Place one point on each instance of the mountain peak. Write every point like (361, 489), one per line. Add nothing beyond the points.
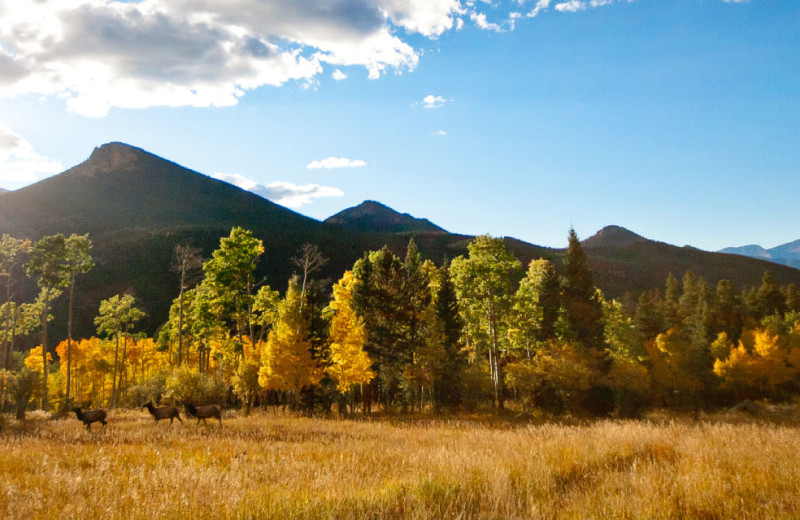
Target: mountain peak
(115, 156)
(374, 217)
(613, 236)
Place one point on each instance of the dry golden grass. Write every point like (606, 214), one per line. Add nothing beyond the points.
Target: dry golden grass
(268, 466)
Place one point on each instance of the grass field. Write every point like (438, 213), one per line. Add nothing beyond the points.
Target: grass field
(271, 466)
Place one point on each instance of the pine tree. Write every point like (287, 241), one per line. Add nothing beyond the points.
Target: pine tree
(449, 327)
(380, 301)
(770, 300)
(582, 307)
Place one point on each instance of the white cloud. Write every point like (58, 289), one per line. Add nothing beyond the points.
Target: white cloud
(97, 55)
(20, 164)
(338, 75)
(439, 133)
(431, 101)
(335, 162)
(294, 195)
(101, 54)
(237, 180)
(572, 6)
(480, 20)
(279, 192)
(541, 5)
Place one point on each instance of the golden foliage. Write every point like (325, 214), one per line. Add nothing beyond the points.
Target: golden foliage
(350, 364)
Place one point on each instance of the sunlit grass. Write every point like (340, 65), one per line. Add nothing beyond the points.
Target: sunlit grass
(272, 466)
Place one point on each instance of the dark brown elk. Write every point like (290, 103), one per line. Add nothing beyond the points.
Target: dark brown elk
(91, 416)
(204, 412)
(163, 412)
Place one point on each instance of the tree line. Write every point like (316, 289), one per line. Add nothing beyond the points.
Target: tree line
(399, 334)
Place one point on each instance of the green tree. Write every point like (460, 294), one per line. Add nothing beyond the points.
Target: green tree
(536, 306)
(725, 312)
(78, 261)
(447, 330)
(48, 264)
(379, 300)
(769, 297)
(416, 296)
(649, 318)
(229, 276)
(117, 315)
(12, 251)
(583, 316)
(583, 310)
(485, 283)
(672, 295)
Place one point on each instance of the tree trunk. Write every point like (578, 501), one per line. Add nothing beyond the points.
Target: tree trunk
(180, 321)
(114, 379)
(122, 364)
(44, 351)
(69, 342)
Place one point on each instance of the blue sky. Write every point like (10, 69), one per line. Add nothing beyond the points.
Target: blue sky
(677, 119)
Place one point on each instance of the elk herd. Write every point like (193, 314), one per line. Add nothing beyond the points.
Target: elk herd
(209, 411)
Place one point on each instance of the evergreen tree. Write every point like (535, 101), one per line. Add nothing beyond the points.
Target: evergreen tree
(649, 317)
(725, 312)
(770, 301)
(448, 376)
(48, 264)
(582, 307)
(672, 294)
(379, 300)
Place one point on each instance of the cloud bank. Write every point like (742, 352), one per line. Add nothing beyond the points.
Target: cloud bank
(279, 192)
(20, 164)
(97, 55)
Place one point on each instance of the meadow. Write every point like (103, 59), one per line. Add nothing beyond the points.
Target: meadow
(281, 466)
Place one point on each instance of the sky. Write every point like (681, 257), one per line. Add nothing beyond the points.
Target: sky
(677, 119)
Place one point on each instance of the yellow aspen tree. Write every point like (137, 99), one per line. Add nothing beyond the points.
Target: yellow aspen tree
(350, 364)
(287, 364)
(761, 370)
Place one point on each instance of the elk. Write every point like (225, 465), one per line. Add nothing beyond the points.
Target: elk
(164, 412)
(91, 416)
(204, 412)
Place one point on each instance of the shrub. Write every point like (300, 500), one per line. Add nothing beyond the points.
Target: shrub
(189, 386)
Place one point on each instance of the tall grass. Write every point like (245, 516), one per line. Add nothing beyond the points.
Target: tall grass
(267, 466)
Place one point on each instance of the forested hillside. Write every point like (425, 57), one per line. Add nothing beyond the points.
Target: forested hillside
(137, 207)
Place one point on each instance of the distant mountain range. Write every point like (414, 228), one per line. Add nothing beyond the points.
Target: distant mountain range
(786, 254)
(137, 207)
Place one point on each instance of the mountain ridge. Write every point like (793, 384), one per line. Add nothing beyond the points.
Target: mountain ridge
(786, 254)
(137, 207)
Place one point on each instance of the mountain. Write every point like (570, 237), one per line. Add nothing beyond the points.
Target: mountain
(753, 251)
(137, 207)
(373, 217)
(2, 190)
(613, 236)
(786, 254)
